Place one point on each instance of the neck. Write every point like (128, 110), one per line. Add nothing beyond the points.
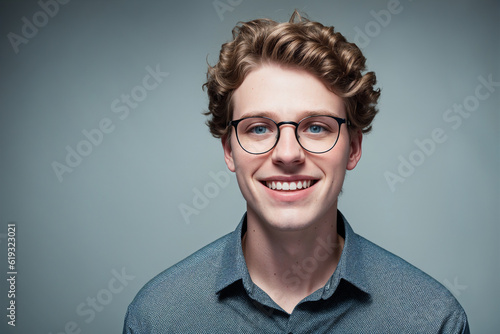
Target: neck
(290, 265)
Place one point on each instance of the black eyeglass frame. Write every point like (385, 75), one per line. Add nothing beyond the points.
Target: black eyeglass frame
(339, 120)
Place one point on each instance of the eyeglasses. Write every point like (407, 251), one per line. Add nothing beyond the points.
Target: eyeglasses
(315, 134)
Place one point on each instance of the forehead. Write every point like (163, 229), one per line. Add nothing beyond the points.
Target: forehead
(284, 94)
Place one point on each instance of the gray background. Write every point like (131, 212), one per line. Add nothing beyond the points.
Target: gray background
(120, 208)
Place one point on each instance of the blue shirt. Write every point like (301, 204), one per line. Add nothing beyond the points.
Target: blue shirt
(371, 291)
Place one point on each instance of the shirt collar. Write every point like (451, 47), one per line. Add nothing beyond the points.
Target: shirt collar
(350, 267)
(233, 264)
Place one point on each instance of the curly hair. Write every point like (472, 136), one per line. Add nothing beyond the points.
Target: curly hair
(299, 43)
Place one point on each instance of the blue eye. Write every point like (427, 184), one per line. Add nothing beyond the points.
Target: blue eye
(259, 130)
(316, 129)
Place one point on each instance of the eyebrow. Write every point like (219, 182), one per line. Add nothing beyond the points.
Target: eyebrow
(304, 114)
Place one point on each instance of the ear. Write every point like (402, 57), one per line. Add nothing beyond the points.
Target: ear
(228, 152)
(354, 149)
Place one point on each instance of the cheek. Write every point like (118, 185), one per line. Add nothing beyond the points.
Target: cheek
(343, 152)
(244, 174)
(247, 165)
(242, 164)
(335, 161)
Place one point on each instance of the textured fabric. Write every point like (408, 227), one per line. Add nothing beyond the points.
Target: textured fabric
(371, 291)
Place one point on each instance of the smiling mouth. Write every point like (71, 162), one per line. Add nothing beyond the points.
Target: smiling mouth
(288, 186)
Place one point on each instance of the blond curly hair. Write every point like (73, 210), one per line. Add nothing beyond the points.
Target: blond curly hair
(299, 43)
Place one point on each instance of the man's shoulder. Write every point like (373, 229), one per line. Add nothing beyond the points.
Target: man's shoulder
(408, 291)
(199, 269)
(178, 293)
(383, 265)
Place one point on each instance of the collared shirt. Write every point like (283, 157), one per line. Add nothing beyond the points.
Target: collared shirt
(371, 291)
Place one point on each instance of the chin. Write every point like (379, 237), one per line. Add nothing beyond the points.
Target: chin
(290, 222)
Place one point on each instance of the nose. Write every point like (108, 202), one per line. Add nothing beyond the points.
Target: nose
(288, 150)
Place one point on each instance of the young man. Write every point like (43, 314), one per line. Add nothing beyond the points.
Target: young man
(290, 103)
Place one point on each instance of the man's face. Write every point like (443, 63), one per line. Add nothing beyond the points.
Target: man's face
(285, 94)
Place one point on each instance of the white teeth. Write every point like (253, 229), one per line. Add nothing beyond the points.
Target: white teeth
(277, 185)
